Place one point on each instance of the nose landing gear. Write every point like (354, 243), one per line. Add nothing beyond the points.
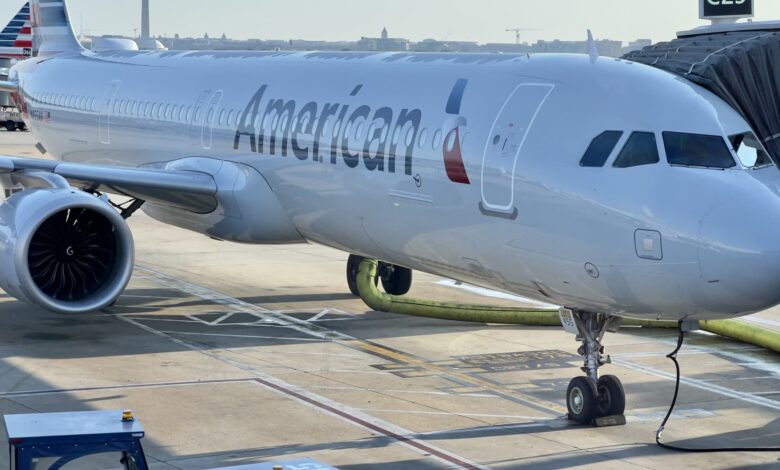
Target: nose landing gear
(593, 399)
(396, 280)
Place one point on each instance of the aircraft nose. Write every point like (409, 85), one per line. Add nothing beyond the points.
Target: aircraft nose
(739, 255)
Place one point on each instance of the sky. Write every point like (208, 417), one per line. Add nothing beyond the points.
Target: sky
(474, 20)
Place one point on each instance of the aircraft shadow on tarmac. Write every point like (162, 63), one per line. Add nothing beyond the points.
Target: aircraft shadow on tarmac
(33, 333)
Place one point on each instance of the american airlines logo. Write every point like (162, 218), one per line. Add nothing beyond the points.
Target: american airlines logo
(353, 133)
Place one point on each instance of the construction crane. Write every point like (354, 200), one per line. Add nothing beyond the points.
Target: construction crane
(517, 32)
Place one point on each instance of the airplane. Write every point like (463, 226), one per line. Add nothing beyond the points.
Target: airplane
(606, 186)
(16, 37)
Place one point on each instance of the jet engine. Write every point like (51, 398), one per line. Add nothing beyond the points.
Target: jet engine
(63, 249)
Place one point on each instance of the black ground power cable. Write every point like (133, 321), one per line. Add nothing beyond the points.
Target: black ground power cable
(673, 357)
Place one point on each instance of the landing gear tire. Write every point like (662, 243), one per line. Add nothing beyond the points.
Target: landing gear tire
(10, 126)
(582, 400)
(396, 280)
(593, 398)
(353, 264)
(611, 396)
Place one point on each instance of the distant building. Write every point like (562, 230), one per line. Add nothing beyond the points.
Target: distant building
(383, 43)
(432, 45)
(636, 45)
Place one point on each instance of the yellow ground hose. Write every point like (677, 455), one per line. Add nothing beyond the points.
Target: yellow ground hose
(383, 302)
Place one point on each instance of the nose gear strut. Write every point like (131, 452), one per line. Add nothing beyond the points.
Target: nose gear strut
(593, 399)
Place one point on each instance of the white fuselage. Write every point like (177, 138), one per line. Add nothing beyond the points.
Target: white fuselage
(361, 152)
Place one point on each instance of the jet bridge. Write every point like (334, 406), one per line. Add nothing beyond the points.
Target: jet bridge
(737, 62)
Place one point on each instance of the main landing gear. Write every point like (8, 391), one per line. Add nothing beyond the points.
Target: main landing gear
(593, 399)
(396, 280)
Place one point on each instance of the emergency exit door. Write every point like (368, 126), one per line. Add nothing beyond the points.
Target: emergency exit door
(504, 148)
(106, 109)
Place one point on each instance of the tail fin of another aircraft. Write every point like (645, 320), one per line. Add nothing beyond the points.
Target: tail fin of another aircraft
(16, 38)
(51, 28)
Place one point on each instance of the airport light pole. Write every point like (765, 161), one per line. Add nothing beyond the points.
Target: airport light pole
(145, 19)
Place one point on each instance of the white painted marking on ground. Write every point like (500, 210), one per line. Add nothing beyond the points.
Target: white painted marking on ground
(135, 306)
(657, 416)
(281, 338)
(706, 386)
(493, 294)
(366, 372)
(761, 321)
(324, 312)
(197, 320)
(161, 297)
(223, 317)
(413, 443)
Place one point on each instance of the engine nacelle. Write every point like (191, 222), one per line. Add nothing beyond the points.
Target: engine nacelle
(64, 250)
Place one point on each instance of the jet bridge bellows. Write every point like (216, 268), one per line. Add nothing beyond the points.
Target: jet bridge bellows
(740, 66)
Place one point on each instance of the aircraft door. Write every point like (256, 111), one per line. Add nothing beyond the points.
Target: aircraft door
(207, 131)
(104, 121)
(505, 145)
(198, 117)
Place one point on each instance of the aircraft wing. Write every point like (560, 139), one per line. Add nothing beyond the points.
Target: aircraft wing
(189, 190)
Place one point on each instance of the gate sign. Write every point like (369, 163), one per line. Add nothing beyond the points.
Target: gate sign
(710, 9)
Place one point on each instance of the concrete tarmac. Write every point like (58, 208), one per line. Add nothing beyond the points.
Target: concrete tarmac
(233, 354)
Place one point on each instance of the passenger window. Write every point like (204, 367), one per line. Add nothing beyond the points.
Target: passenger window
(600, 149)
(423, 137)
(436, 141)
(641, 149)
(706, 151)
(749, 150)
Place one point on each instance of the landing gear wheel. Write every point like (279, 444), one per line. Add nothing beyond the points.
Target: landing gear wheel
(396, 280)
(10, 126)
(353, 264)
(611, 396)
(582, 400)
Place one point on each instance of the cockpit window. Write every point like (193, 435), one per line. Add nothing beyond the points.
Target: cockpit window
(600, 149)
(705, 151)
(749, 150)
(641, 149)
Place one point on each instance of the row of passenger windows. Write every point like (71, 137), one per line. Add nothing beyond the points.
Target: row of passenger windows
(83, 103)
(691, 150)
(274, 122)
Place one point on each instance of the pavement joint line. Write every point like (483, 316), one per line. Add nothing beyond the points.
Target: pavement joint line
(351, 342)
(57, 391)
(453, 413)
(402, 436)
(706, 386)
(412, 392)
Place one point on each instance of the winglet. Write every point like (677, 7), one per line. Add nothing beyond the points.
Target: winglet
(593, 48)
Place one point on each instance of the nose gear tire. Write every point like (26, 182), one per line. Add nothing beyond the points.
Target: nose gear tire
(611, 396)
(582, 400)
